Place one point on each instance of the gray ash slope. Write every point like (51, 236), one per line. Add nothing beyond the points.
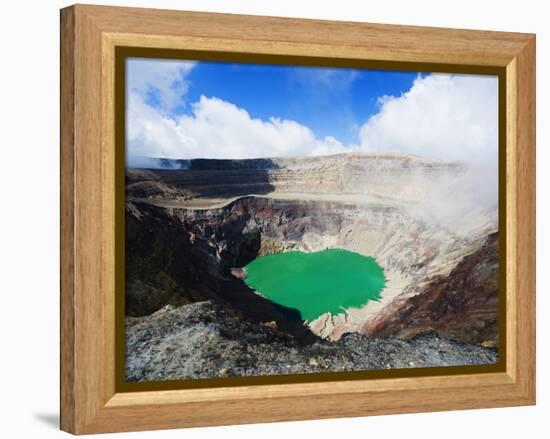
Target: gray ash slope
(205, 340)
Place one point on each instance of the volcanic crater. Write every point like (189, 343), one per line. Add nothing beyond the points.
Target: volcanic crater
(192, 227)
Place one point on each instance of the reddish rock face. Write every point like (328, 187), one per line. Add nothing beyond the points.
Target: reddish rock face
(462, 306)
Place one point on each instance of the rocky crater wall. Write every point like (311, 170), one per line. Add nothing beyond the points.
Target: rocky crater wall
(384, 175)
(177, 253)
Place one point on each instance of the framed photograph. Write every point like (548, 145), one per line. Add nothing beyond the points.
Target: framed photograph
(268, 219)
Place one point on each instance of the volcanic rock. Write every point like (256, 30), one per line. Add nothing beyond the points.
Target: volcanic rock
(205, 340)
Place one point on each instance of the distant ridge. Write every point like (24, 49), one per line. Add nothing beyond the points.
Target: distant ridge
(203, 164)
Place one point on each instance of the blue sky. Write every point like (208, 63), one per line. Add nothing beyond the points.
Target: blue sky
(331, 102)
(189, 109)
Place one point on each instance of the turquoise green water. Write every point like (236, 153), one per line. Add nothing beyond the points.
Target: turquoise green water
(316, 283)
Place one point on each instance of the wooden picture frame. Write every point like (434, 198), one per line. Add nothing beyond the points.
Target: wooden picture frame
(91, 401)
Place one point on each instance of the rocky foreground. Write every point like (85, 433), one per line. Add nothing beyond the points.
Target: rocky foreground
(205, 340)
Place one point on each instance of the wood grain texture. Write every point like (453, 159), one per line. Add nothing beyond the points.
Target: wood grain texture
(525, 220)
(89, 35)
(67, 254)
(328, 38)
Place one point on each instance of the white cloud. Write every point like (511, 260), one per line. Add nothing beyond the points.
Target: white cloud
(453, 117)
(449, 117)
(325, 79)
(167, 78)
(217, 129)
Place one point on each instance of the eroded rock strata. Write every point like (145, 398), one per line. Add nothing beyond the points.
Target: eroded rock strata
(191, 230)
(462, 305)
